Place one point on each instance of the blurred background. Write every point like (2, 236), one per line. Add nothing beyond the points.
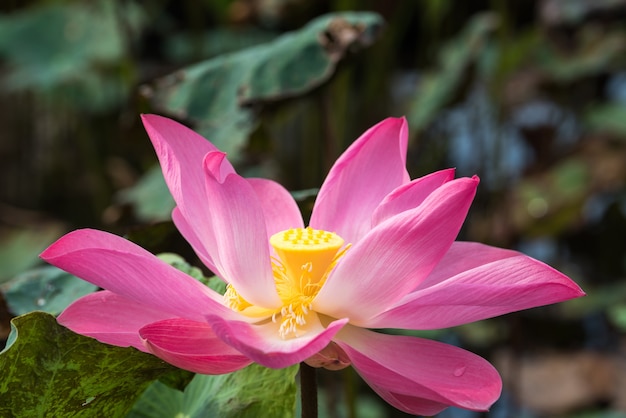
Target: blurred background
(529, 95)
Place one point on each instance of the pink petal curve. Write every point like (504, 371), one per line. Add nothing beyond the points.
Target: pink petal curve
(463, 256)
(410, 195)
(110, 318)
(263, 344)
(411, 367)
(280, 210)
(192, 346)
(198, 229)
(409, 404)
(123, 267)
(393, 258)
(181, 153)
(362, 176)
(503, 281)
(240, 247)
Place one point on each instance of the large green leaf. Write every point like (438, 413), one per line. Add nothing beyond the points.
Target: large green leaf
(184, 47)
(49, 371)
(220, 95)
(255, 391)
(46, 288)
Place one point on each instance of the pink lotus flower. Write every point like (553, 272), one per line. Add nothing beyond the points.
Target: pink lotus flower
(308, 294)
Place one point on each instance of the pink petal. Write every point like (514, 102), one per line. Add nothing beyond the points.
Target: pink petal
(367, 171)
(192, 238)
(393, 258)
(263, 344)
(463, 256)
(279, 209)
(420, 375)
(192, 346)
(197, 228)
(122, 267)
(408, 403)
(181, 152)
(496, 282)
(215, 162)
(110, 318)
(410, 195)
(240, 247)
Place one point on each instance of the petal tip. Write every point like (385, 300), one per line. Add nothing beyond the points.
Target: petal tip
(63, 245)
(213, 162)
(149, 120)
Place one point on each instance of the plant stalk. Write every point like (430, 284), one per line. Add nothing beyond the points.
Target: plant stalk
(308, 390)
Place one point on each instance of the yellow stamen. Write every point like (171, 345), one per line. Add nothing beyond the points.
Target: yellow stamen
(234, 300)
(307, 249)
(305, 257)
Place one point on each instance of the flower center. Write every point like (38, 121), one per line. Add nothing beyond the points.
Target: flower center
(306, 254)
(305, 257)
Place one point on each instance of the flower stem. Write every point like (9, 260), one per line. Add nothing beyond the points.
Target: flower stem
(308, 391)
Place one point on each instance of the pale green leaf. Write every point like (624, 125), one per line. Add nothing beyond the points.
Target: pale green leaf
(255, 391)
(47, 289)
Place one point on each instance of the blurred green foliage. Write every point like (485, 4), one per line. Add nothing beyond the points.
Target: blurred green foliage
(19, 247)
(531, 96)
(75, 49)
